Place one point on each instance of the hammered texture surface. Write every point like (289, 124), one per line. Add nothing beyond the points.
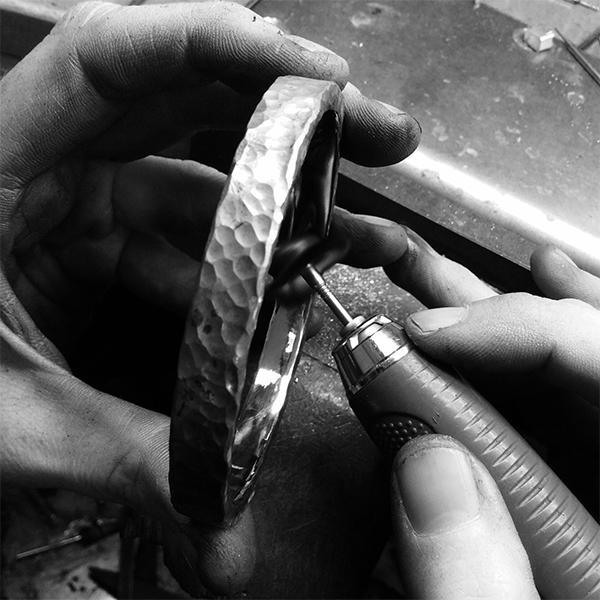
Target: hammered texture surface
(224, 312)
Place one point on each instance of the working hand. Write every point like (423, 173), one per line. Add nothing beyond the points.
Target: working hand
(110, 85)
(454, 534)
(454, 537)
(549, 345)
(556, 337)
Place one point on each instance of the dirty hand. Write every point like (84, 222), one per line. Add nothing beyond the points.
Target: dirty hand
(454, 536)
(456, 539)
(555, 337)
(83, 207)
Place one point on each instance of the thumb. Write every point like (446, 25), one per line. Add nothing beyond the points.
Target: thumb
(454, 535)
(517, 333)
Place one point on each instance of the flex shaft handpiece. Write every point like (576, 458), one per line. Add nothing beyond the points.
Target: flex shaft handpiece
(398, 394)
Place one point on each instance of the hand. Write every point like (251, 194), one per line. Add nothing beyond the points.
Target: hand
(549, 346)
(109, 85)
(557, 339)
(454, 536)
(477, 551)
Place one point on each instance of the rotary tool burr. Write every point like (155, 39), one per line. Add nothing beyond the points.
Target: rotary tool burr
(398, 393)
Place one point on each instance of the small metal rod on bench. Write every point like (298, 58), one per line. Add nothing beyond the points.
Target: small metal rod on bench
(580, 58)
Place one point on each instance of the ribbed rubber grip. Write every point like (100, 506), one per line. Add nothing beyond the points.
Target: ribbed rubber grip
(560, 536)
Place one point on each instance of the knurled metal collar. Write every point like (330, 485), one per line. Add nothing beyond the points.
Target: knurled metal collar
(240, 348)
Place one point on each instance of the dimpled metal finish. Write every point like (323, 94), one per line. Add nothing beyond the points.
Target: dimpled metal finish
(217, 441)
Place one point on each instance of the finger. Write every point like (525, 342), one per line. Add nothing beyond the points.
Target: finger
(374, 241)
(120, 48)
(359, 240)
(517, 333)
(376, 134)
(158, 273)
(434, 279)
(227, 556)
(145, 224)
(454, 535)
(221, 560)
(111, 55)
(173, 198)
(145, 264)
(558, 277)
(162, 118)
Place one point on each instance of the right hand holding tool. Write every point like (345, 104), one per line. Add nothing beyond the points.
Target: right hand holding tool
(463, 530)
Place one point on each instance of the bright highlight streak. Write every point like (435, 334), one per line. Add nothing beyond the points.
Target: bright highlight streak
(504, 208)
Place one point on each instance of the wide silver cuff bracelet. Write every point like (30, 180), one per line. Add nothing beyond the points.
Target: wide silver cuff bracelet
(240, 346)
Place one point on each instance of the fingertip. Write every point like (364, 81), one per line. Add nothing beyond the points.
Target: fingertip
(375, 241)
(547, 257)
(548, 264)
(455, 535)
(375, 133)
(559, 277)
(434, 279)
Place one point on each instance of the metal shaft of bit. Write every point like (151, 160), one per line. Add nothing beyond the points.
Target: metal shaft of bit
(580, 58)
(316, 281)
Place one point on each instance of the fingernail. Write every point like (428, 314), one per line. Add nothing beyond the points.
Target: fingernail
(438, 489)
(429, 321)
(378, 221)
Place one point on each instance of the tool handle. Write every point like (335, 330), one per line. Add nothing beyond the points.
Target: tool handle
(414, 397)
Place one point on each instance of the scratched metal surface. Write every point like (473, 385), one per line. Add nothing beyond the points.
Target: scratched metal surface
(510, 152)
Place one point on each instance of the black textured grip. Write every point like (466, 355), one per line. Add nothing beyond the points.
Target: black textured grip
(392, 431)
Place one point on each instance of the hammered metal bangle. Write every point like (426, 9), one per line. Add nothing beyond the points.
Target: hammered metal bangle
(240, 348)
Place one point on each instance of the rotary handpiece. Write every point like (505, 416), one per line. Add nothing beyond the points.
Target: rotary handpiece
(398, 393)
